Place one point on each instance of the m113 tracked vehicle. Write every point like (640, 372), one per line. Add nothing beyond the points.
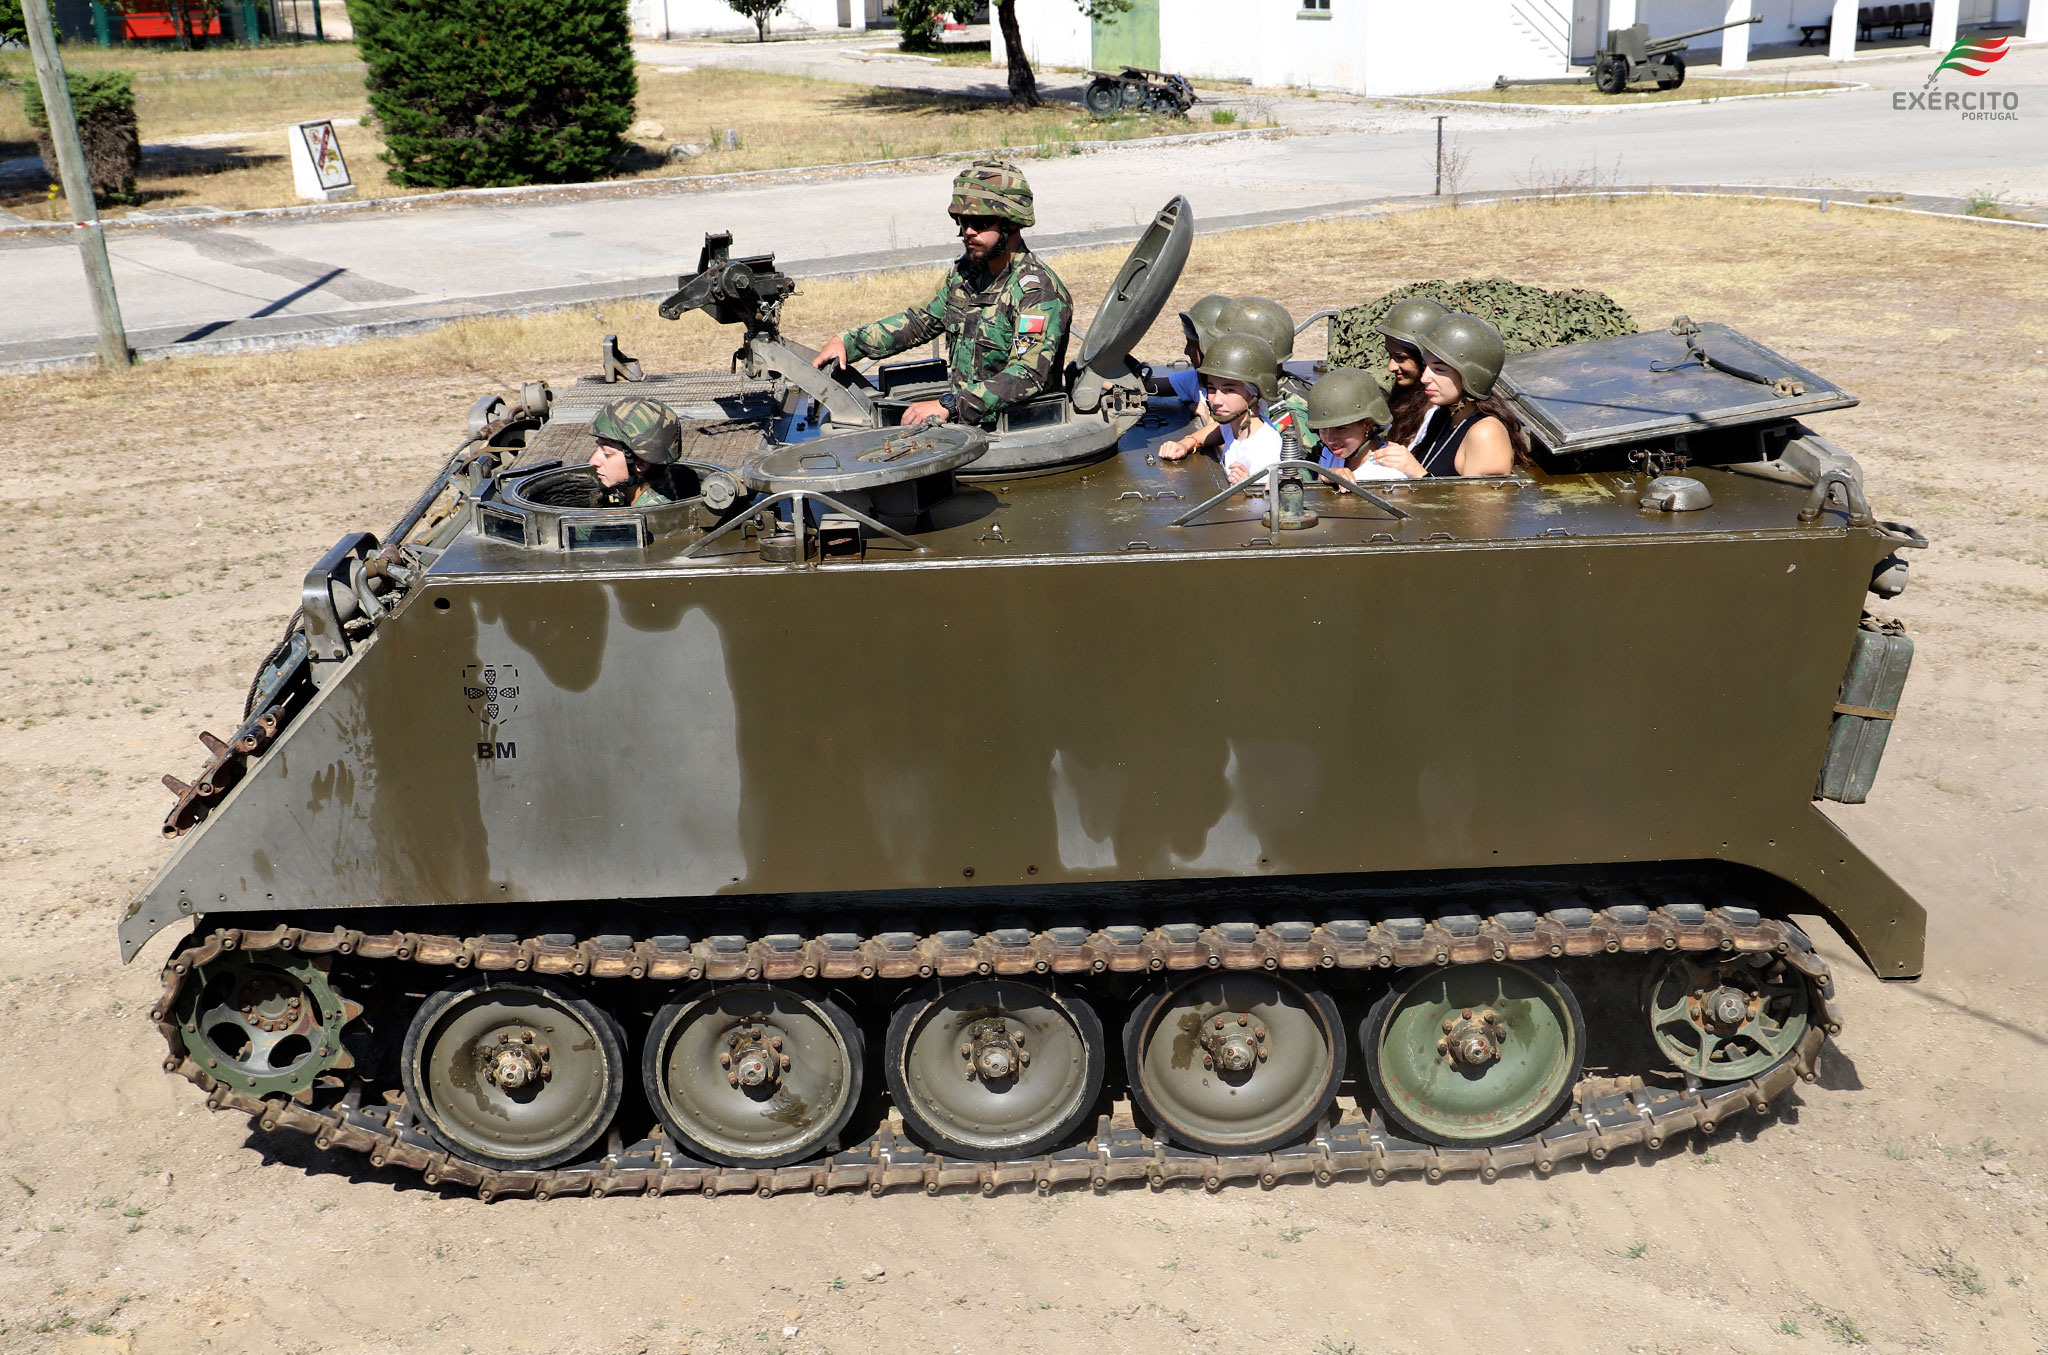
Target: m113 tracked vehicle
(850, 824)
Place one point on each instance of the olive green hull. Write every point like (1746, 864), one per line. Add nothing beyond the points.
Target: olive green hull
(995, 726)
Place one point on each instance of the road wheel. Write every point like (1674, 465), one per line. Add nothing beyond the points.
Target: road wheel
(1101, 97)
(1610, 74)
(994, 1068)
(1677, 76)
(1723, 1020)
(1234, 1063)
(753, 1074)
(513, 1073)
(1474, 1055)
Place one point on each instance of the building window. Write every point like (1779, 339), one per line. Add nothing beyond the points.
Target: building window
(1313, 9)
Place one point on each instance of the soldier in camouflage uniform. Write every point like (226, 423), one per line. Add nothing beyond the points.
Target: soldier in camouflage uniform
(1003, 313)
(638, 442)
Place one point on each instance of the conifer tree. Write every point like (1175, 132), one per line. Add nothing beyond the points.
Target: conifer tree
(492, 93)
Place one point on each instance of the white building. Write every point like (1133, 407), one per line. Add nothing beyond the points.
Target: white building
(697, 18)
(1404, 47)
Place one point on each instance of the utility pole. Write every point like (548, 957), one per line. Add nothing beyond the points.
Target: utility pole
(92, 241)
(1439, 158)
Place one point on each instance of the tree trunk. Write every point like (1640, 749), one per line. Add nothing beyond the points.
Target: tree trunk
(761, 26)
(1023, 84)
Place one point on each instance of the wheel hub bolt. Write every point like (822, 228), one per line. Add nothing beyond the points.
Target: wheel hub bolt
(514, 1066)
(1233, 1044)
(1473, 1039)
(1728, 1006)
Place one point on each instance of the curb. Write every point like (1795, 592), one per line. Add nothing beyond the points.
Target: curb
(1441, 100)
(294, 331)
(625, 188)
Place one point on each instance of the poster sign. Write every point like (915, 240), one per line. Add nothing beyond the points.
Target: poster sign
(318, 170)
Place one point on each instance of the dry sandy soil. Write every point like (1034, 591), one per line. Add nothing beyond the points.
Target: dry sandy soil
(155, 524)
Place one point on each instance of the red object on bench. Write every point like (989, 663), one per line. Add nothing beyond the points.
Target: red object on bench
(160, 24)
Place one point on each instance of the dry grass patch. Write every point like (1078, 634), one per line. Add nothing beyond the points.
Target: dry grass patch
(782, 121)
(1704, 90)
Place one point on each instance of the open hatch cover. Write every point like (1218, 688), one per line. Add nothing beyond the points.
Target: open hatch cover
(1637, 387)
(1140, 290)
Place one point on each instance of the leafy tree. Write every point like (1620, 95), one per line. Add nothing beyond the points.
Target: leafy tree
(12, 29)
(1023, 82)
(760, 11)
(103, 103)
(918, 21)
(492, 93)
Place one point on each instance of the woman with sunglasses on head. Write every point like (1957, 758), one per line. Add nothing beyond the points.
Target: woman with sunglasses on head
(1003, 313)
(1469, 430)
(1403, 326)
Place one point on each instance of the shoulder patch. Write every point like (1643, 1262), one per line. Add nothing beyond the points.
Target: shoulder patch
(1031, 323)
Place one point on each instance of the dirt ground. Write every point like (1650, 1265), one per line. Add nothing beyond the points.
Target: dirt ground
(155, 527)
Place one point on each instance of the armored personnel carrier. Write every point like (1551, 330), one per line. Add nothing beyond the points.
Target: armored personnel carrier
(881, 813)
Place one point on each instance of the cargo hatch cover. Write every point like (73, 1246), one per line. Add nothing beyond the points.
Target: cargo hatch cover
(1140, 290)
(1583, 396)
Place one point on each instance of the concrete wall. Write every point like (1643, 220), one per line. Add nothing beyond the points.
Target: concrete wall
(1364, 46)
(695, 18)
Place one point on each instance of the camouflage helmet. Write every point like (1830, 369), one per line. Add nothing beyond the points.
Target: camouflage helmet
(1346, 395)
(1243, 357)
(992, 188)
(1408, 319)
(647, 428)
(1471, 348)
(1267, 319)
(1199, 320)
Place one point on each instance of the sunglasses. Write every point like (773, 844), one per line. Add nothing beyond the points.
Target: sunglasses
(978, 223)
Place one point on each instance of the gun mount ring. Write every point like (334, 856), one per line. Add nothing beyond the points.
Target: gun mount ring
(864, 460)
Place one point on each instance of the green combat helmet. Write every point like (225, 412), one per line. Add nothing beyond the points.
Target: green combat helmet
(992, 188)
(1267, 319)
(1199, 320)
(1346, 395)
(1471, 348)
(1243, 357)
(647, 428)
(1410, 318)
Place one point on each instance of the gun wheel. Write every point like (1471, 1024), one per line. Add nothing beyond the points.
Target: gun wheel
(994, 1068)
(1234, 1063)
(753, 1074)
(1610, 74)
(1474, 1055)
(517, 1073)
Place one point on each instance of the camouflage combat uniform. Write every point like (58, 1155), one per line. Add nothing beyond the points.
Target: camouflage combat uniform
(1290, 406)
(1006, 336)
(650, 431)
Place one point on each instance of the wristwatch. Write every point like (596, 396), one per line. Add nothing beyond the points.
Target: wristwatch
(950, 402)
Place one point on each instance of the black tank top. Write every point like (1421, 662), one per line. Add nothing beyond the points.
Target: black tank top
(1438, 450)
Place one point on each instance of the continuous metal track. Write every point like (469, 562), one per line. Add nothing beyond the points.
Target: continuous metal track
(1607, 1114)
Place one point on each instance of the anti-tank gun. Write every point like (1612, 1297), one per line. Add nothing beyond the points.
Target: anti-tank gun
(1631, 56)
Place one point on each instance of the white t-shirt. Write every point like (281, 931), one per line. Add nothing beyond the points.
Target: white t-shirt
(1186, 383)
(1373, 470)
(1256, 450)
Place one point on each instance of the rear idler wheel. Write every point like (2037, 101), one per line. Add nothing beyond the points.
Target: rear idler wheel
(1726, 1019)
(1471, 1056)
(1234, 1063)
(992, 1069)
(517, 1074)
(753, 1074)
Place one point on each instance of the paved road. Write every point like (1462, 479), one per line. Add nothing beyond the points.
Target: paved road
(216, 281)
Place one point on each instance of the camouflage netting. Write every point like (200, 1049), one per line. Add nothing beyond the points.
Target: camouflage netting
(1527, 317)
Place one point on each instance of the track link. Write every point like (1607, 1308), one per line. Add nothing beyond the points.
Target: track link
(1607, 1114)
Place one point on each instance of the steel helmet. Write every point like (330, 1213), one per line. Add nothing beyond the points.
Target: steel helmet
(1199, 320)
(992, 188)
(1408, 319)
(1267, 319)
(1346, 395)
(647, 428)
(1471, 348)
(1243, 357)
